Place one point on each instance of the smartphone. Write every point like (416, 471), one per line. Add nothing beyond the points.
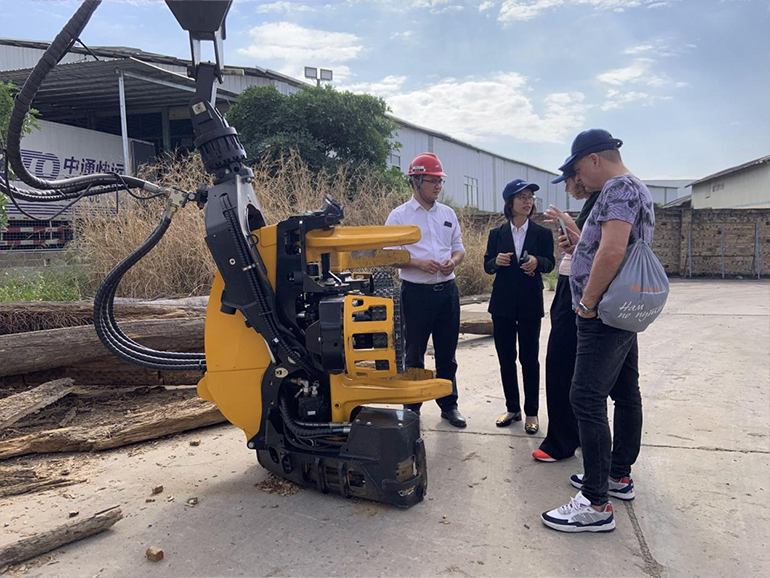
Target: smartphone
(564, 231)
(524, 257)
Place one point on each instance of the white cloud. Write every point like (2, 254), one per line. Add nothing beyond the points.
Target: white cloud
(638, 49)
(486, 5)
(387, 86)
(405, 35)
(617, 99)
(480, 108)
(639, 72)
(522, 10)
(298, 47)
(283, 7)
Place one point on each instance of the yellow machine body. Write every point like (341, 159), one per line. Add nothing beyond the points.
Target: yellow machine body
(237, 356)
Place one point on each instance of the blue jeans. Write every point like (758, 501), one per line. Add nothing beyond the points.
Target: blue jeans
(606, 365)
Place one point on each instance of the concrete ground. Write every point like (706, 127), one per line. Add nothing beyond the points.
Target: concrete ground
(702, 479)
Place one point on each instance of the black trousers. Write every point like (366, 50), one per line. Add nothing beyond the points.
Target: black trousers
(430, 311)
(506, 331)
(607, 364)
(563, 437)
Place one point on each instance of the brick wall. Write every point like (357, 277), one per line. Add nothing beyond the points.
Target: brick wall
(706, 229)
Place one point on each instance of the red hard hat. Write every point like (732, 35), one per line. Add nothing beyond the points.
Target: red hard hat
(426, 164)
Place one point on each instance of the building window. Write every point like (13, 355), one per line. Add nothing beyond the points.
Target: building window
(394, 160)
(471, 192)
(716, 187)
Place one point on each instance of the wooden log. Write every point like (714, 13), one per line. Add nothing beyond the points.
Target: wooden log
(14, 407)
(170, 419)
(39, 315)
(40, 350)
(19, 480)
(43, 542)
(479, 326)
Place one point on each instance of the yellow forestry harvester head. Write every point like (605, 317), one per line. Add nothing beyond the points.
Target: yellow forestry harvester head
(298, 344)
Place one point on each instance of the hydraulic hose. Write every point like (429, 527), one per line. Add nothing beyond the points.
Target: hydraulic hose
(114, 339)
(305, 432)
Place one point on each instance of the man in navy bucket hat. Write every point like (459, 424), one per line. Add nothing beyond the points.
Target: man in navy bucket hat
(606, 363)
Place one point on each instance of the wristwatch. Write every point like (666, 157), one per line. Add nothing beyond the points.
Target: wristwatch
(584, 309)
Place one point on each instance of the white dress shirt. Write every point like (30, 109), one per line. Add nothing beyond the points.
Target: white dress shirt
(439, 238)
(519, 234)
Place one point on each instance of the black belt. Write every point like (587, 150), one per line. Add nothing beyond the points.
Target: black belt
(430, 286)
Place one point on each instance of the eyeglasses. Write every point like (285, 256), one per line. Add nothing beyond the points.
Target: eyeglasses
(525, 198)
(434, 182)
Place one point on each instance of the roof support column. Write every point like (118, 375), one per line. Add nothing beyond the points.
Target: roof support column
(124, 123)
(166, 127)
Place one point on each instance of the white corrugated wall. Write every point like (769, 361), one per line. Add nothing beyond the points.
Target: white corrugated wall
(491, 171)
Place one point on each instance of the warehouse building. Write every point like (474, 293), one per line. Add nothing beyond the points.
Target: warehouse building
(745, 186)
(154, 88)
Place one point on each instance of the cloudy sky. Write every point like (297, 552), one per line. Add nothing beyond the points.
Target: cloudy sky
(684, 83)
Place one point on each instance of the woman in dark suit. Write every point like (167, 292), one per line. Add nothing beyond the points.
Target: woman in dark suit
(517, 253)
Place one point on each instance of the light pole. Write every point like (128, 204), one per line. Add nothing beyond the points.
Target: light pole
(325, 76)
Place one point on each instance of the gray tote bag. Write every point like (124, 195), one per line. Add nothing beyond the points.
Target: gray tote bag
(638, 293)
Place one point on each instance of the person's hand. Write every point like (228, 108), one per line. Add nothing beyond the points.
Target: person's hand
(503, 259)
(586, 315)
(427, 265)
(553, 213)
(569, 247)
(447, 267)
(530, 265)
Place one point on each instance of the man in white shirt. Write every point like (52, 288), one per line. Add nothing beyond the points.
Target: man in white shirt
(429, 296)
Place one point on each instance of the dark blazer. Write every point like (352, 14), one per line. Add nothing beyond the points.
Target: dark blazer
(516, 295)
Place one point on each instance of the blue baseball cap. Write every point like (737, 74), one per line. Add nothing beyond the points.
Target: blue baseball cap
(589, 141)
(516, 186)
(567, 172)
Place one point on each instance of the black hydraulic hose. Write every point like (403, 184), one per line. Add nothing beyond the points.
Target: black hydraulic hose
(104, 312)
(115, 340)
(23, 102)
(304, 432)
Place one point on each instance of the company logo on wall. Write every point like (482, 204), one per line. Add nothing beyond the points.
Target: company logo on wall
(46, 165)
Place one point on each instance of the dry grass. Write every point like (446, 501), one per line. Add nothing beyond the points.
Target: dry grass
(181, 264)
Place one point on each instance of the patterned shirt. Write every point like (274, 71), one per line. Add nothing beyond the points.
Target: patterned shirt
(623, 198)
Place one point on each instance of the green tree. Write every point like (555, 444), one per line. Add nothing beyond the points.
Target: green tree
(7, 93)
(325, 126)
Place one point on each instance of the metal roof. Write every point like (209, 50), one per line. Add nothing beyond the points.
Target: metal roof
(123, 52)
(758, 161)
(93, 86)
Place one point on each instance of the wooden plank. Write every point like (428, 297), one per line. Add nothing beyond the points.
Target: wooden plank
(41, 350)
(170, 419)
(43, 542)
(15, 407)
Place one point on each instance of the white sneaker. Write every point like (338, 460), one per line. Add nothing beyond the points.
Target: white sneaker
(579, 516)
(622, 490)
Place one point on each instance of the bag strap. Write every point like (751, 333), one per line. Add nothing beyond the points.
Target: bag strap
(639, 218)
